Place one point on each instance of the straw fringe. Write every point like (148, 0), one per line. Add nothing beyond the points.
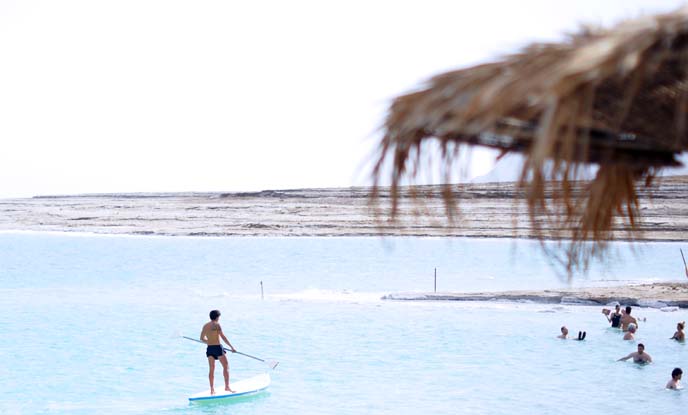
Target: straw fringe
(615, 98)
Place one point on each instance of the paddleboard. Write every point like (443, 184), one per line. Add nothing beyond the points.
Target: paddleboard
(241, 388)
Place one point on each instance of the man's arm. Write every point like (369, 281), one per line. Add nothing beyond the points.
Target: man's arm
(623, 359)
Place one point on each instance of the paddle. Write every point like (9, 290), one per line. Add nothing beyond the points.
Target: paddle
(684, 262)
(271, 363)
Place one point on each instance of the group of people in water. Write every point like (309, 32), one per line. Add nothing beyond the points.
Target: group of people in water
(628, 324)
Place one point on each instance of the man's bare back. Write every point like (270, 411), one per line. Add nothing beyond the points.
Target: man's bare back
(211, 332)
(627, 319)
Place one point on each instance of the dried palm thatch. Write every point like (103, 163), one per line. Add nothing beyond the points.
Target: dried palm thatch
(616, 98)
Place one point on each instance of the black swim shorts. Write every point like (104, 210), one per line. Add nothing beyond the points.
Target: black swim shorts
(215, 351)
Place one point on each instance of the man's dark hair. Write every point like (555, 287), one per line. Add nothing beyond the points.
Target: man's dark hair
(676, 372)
(628, 309)
(214, 314)
(641, 345)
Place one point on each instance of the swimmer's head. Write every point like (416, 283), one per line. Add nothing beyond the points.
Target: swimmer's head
(681, 325)
(641, 347)
(564, 330)
(617, 306)
(631, 328)
(676, 373)
(628, 309)
(214, 314)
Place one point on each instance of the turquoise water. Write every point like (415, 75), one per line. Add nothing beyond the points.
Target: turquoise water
(91, 324)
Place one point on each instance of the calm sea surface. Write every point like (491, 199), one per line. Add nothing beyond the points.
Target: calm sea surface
(92, 324)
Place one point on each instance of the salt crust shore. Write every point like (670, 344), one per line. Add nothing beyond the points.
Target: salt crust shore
(656, 295)
(495, 210)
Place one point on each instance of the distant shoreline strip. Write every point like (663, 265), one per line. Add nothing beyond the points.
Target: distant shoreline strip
(657, 295)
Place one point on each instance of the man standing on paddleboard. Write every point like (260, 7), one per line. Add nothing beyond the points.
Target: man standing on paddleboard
(210, 335)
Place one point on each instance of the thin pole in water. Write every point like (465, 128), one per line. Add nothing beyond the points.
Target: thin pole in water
(435, 279)
(262, 297)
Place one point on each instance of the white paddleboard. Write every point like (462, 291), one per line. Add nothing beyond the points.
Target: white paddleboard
(241, 388)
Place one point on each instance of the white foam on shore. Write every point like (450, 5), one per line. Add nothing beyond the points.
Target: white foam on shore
(308, 295)
(217, 294)
(577, 301)
(652, 304)
(314, 294)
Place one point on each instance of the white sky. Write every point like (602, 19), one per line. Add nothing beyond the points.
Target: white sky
(165, 95)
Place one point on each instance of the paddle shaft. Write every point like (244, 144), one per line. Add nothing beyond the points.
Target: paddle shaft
(227, 350)
(684, 261)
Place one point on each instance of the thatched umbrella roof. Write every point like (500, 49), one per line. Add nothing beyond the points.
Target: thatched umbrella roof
(616, 98)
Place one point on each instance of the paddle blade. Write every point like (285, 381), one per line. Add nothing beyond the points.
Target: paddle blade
(271, 364)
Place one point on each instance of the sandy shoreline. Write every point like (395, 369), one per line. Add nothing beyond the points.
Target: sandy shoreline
(656, 295)
(493, 210)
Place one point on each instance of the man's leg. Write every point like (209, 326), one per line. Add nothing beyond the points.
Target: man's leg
(225, 371)
(211, 374)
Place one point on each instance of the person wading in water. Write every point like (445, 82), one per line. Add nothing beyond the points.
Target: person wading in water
(627, 319)
(613, 317)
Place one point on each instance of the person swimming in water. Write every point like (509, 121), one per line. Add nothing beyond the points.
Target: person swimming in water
(615, 317)
(679, 335)
(210, 335)
(565, 334)
(638, 357)
(630, 334)
(675, 381)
